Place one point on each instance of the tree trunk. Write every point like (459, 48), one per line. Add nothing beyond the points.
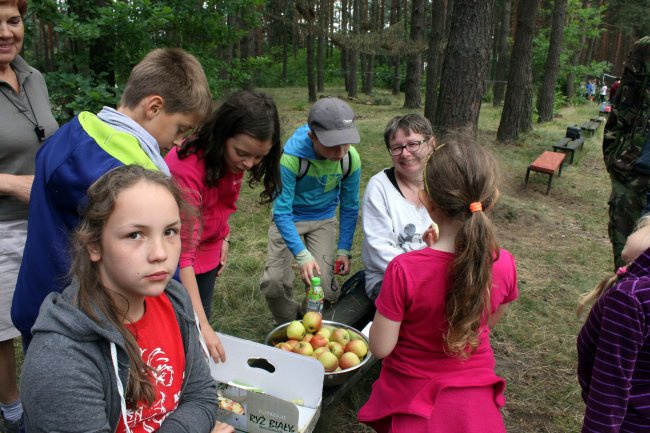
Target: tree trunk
(413, 93)
(373, 25)
(308, 15)
(435, 57)
(345, 17)
(575, 60)
(552, 67)
(501, 74)
(517, 115)
(395, 15)
(465, 68)
(322, 37)
(353, 57)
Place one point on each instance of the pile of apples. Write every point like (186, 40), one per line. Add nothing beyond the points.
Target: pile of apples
(336, 348)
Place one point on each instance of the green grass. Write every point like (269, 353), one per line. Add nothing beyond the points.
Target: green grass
(559, 241)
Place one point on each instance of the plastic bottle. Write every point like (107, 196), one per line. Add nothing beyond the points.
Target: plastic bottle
(315, 296)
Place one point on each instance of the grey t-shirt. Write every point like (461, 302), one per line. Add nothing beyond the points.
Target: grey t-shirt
(18, 139)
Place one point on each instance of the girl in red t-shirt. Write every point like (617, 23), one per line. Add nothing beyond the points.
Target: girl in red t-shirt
(436, 305)
(242, 135)
(119, 350)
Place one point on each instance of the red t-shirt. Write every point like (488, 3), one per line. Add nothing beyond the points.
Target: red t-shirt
(161, 345)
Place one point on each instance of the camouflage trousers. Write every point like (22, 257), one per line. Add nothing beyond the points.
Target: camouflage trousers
(627, 203)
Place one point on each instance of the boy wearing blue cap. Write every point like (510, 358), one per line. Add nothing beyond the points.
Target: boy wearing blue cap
(320, 171)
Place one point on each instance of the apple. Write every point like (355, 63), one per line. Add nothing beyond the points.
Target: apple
(329, 361)
(325, 333)
(340, 335)
(295, 330)
(312, 321)
(358, 347)
(284, 346)
(355, 336)
(318, 341)
(304, 348)
(329, 328)
(336, 348)
(292, 343)
(307, 337)
(318, 352)
(348, 360)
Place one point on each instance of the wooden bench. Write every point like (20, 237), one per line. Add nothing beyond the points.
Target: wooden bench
(547, 163)
(590, 127)
(569, 146)
(356, 310)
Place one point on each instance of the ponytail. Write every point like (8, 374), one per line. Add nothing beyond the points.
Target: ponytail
(461, 179)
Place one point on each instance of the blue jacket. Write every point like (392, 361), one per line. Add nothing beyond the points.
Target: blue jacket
(317, 195)
(66, 165)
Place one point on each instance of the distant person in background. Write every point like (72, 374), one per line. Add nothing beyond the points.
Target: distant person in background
(614, 344)
(603, 93)
(25, 122)
(393, 217)
(437, 305)
(591, 87)
(613, 90)
(626, 154)
(242, 135)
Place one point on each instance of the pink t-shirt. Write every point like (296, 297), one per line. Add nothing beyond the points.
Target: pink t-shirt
(215, 205)
(413, 293)
(159, 337)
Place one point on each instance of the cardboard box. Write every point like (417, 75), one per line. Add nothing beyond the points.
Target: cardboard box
(279, 392)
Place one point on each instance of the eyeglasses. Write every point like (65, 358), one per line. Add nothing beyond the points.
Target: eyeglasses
(411, 146)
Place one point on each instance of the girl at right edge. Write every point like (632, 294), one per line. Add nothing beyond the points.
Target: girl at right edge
(614, 343)
(436, 307)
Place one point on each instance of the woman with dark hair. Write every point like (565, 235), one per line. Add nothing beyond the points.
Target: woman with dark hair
(25, 121)
(242, 135)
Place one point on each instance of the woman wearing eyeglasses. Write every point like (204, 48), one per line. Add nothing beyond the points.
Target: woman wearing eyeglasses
(394, 220)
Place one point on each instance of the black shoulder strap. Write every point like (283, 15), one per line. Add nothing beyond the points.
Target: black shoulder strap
(303, 167)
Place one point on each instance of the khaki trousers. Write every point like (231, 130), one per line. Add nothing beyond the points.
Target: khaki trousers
(278, 279)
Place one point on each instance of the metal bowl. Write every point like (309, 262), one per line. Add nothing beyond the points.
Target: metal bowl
(333, 378)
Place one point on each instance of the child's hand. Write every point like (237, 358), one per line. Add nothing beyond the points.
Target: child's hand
(225, 247)
(213, 342)
(342, 265)
(308, 270)
(431, 234)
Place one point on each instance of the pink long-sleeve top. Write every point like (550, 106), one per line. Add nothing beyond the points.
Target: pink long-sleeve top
(214, 204)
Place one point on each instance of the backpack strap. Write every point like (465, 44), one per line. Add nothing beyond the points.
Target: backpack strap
(345, 166)
(304, 167)
(305, 163)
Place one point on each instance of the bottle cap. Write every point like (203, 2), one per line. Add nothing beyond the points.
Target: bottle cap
(315, 281)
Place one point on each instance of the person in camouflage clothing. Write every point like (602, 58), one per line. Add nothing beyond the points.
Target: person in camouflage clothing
(626, 147)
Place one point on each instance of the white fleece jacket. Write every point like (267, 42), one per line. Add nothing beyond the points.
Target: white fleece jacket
(391, 226)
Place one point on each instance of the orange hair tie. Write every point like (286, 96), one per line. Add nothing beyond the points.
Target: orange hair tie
(475, 207)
